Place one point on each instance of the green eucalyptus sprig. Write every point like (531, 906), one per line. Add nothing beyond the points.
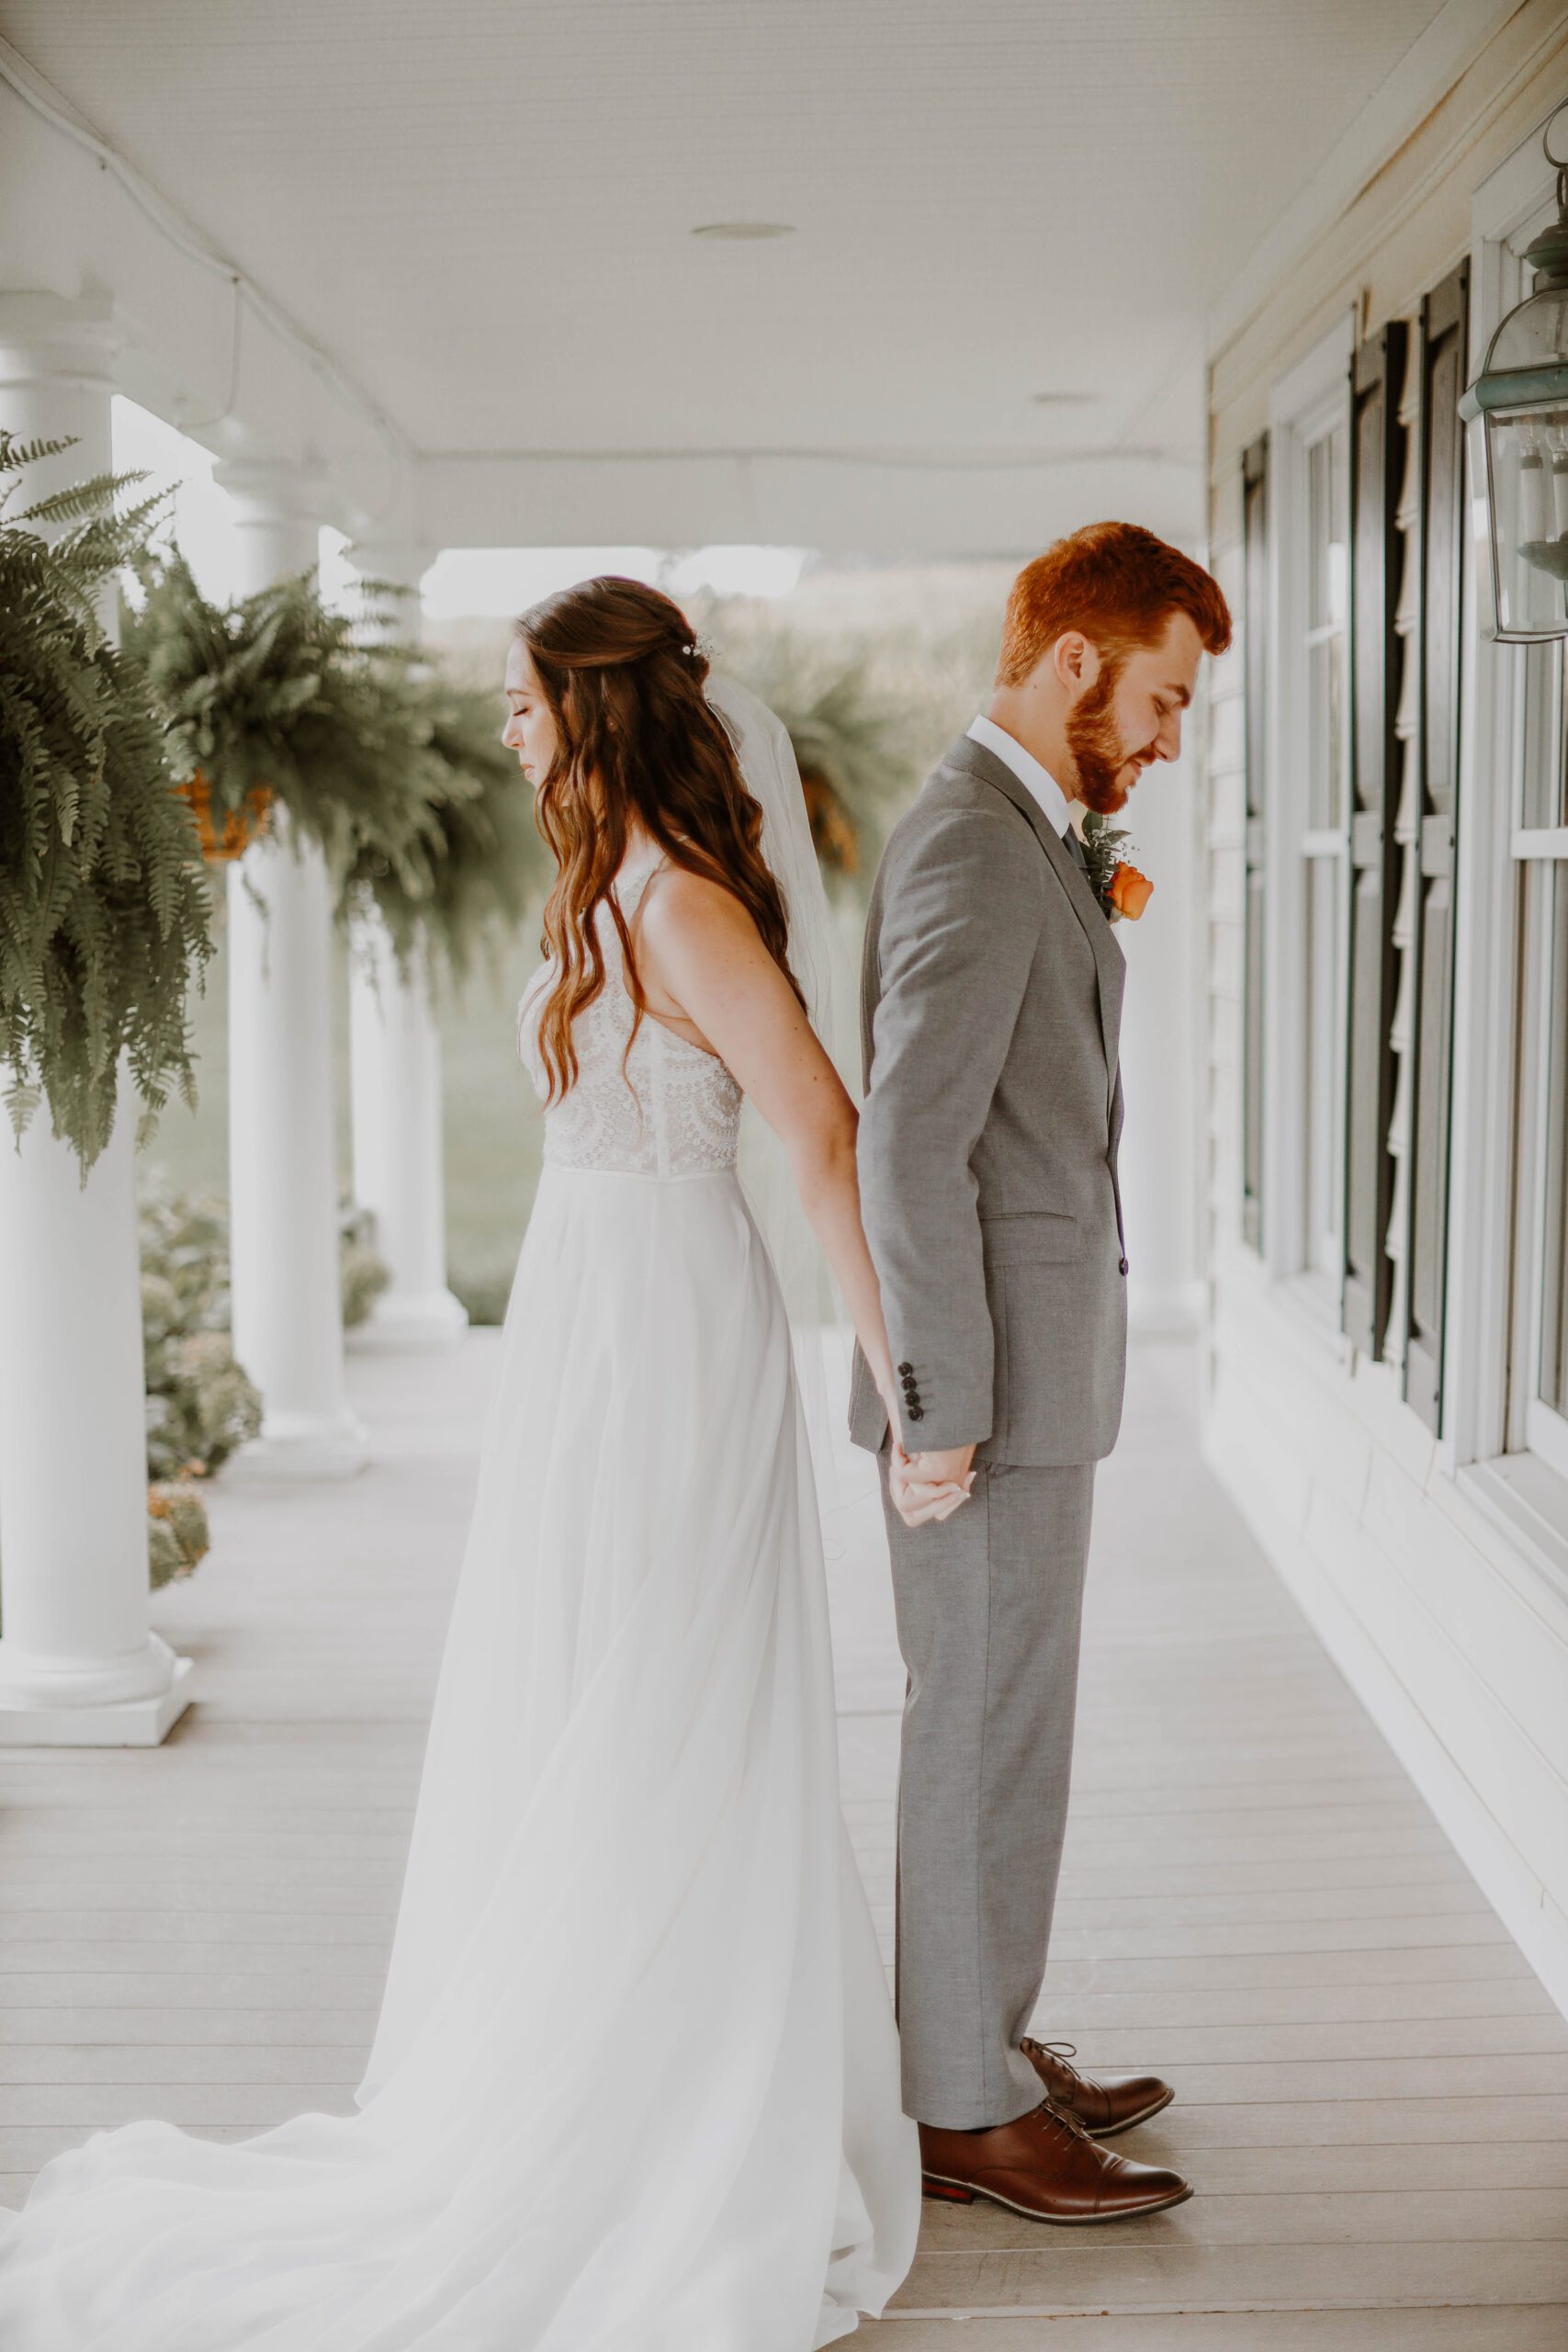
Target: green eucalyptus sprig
(1105, 847)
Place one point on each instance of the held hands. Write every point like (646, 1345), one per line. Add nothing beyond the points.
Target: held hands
(927, 1487)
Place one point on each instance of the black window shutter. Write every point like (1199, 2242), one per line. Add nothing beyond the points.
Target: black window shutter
(1255, 590)
(1376, 464)
(1444, 340)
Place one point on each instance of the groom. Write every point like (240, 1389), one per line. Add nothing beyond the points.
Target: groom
(991, 1000)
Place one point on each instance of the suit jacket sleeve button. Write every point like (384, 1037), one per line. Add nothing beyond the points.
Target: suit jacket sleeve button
(905, 1370)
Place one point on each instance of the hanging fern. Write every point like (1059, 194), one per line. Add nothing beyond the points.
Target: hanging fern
(486, 861)
(853, 740)
(392, 767)
(104, 910)
(278, 692)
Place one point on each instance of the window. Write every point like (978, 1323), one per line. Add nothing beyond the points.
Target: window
(1308, 830)
(1508, 1347)
(1538, 1419)
(1321, 845)
(1256, 625)
(1365, 461)
(1552, 1350)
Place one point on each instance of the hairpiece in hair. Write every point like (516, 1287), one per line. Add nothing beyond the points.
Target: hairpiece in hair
(699, 649)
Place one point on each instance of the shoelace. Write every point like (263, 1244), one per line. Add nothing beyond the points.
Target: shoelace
(1062, 2052)
(1049, 2114)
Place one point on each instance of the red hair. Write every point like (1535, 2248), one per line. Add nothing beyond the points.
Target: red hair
(1118, 585)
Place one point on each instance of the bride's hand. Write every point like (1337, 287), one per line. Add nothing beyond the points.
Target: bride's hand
(919, 1500)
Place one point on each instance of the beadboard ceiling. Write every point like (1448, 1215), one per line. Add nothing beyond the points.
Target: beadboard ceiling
(483, 209)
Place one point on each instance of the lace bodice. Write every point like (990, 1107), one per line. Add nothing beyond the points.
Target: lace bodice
(672, 1110)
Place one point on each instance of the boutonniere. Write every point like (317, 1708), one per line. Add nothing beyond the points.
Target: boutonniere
(1122, 890)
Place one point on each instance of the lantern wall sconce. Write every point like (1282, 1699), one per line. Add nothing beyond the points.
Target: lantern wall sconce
(1522, 398)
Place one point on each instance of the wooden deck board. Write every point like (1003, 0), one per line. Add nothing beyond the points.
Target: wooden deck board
(1372, 2086)
(1516, 2328)
(1186, 2276)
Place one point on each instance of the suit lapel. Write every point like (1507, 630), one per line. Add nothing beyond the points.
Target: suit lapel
(1110, 964)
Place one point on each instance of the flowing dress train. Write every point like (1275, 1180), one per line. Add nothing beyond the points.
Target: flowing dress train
(635, 2083)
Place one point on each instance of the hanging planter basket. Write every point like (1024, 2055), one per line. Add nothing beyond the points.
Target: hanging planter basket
(236, 828)
(105, 920)
(279, 686)
(855, 746)
(833, 832)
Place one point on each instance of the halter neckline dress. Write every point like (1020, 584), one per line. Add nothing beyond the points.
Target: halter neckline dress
(635, 2086)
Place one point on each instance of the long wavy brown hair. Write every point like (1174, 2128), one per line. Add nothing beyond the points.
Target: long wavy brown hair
(622, 672)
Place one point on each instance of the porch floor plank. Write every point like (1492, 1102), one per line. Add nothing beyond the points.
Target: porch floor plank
(1520, 2327)
(1371, 2082)
(1372, 2086)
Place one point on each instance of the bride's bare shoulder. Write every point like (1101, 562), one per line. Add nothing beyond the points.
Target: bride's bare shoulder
(680, 908)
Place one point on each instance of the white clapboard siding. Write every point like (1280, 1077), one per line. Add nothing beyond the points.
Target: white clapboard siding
(1467, 1649)
(1447, 1628)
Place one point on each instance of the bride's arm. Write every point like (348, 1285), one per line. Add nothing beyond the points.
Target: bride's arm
(699, 952)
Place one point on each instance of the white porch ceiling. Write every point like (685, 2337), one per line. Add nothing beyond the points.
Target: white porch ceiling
(482, 211)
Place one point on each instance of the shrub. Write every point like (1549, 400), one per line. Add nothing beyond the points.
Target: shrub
(364, 1274)
(177, 1533)
(200, 1404)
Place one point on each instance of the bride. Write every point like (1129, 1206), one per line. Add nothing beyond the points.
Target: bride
(634, 2084)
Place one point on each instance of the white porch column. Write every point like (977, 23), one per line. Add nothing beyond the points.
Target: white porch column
(395, 1056)
(1160, 1034)
(78, 1664)
(283, 1183)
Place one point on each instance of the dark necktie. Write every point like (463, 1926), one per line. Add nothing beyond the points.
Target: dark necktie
(1075, 849)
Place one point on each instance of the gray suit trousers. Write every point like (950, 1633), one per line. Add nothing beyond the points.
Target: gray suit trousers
(988, 1607)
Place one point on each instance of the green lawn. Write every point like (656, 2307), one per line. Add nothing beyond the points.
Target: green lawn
(492, 1124)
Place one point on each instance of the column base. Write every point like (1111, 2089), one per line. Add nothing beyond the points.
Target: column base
(426, 1324)
(116, 1723)
(296, 1447)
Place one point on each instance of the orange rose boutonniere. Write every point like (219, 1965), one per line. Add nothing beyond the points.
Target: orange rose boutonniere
(1122, 890)
(1130, 891)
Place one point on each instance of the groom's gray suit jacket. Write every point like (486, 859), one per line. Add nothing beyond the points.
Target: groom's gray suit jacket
(990, 1012)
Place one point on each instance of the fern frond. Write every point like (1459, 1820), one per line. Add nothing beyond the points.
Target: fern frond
(103, 912)
(78, 500)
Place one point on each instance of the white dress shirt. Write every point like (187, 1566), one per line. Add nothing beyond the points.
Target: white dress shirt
(1036, 780)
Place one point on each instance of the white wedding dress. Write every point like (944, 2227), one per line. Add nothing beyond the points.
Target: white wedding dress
(634, 2087)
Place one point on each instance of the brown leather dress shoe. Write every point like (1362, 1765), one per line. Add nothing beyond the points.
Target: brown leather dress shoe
(1046, 2165)
(1103, 2109)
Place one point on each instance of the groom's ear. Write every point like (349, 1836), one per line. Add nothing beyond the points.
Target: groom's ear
(1074, 660)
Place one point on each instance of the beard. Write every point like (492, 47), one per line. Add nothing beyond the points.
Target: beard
(1096, 748)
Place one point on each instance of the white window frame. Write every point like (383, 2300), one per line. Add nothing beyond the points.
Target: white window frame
(1511, 1458)
(1538, 857)
(1303, 405)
